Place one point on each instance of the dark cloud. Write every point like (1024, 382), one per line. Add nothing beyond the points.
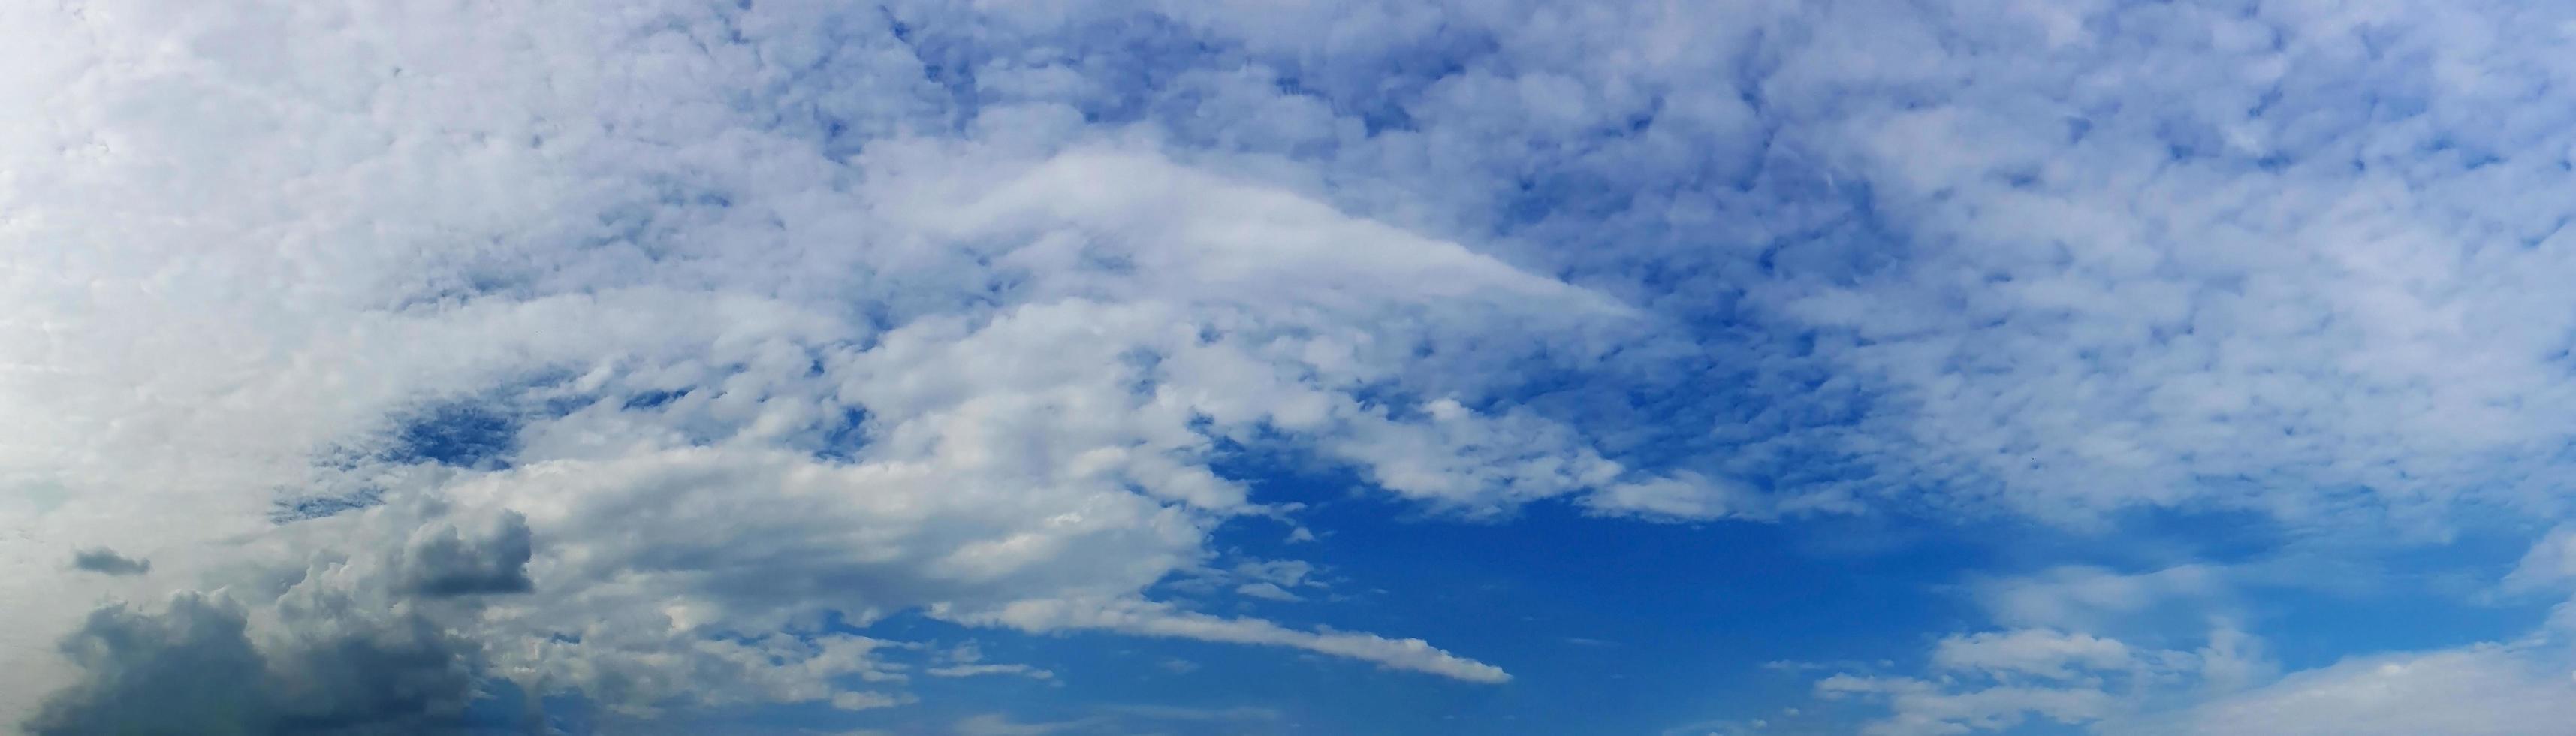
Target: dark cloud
(442, 561)
(193, 669)
(107, 562)
(356, 646)
(193, 664)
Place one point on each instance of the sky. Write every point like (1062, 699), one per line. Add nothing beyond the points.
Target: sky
(1023, 367)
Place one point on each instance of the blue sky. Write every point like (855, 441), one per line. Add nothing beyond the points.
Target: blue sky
(1886, 367)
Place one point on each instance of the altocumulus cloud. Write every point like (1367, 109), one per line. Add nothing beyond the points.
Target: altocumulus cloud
(637, 351)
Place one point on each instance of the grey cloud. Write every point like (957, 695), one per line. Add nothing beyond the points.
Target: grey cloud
(193, 663)
(107, 562)
(194, 669)
(441, 561)
(373, 644)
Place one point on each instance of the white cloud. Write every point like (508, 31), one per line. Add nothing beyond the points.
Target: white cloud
(1999, 680)
(2484, 689)
(978, 670)
(1923, 708)
(967, 660)
(2215, 272)
(1268, 591)
(1127, 719)
(1143, 618)
(1994, 680)
(2032, 652)
(2550, 565)
(1685, 495)
(993, 724)
(2093, 598)
(2019, 254)
(867, 700)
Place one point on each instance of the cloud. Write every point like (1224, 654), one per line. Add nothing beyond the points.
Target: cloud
(2095, 598)
(703, 324)
(107, 562)
(991, 724)
(1152, 619)
(975, 670)
(867, 700)
(967, 660)
(2032, 652)
(441, 562)
(2032, 258)
(2234, 281)
(1268, 591)
(334, 652)
(2484, 689)
(688, 378)
(1112, 719)
(2550, 564)
(1993, 681)
(194, 661)
(1274, 580)
(1924, 708)
(2000, 680)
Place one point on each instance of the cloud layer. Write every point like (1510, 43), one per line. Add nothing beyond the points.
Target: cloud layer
(646, 352)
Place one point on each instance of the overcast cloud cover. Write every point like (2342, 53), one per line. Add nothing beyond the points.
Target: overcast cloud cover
(447, 365)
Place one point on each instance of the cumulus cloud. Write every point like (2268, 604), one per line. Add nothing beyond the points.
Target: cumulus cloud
(440, 561)
(197, 667)
(334, 651)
